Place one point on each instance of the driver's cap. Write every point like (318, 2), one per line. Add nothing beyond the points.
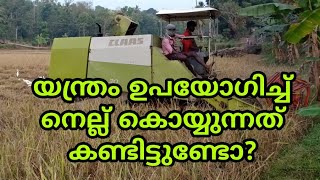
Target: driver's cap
(171, 27)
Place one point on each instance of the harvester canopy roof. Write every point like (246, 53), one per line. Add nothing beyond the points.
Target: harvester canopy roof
(188, 14)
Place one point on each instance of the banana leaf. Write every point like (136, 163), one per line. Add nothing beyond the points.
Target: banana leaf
(311, 111)
(266, 9)
(273, 28)
(305, 4)
(304, 15)
(316, 4)
(300, 30)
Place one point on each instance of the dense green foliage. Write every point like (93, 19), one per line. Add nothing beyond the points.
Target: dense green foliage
(232, 25)
(40, 21)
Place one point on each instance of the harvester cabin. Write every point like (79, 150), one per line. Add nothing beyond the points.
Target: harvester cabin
(206, 13)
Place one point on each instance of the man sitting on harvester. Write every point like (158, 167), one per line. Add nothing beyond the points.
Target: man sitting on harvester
(169, 50)
(189, 45)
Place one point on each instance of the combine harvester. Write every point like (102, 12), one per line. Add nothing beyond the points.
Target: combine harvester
(124, 56)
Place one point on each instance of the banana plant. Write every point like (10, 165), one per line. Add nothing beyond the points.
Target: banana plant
(307, 25)
(309, 20)
(277, 18)
(274, 14)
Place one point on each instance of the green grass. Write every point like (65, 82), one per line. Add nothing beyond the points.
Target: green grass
(299, 161)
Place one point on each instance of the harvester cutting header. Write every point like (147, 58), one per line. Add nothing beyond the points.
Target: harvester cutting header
(123, 56)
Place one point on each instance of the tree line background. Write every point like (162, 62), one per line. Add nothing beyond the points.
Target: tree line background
(40, 21)
(289, 28)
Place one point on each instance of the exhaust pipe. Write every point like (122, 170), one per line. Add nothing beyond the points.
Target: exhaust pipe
(100, 33)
